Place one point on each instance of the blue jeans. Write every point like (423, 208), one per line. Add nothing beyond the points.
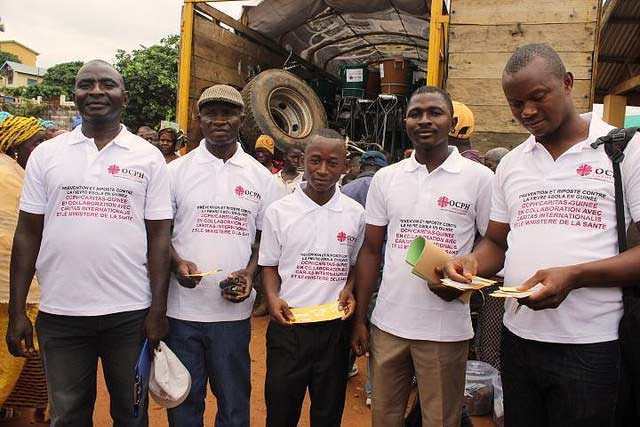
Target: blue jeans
(218, 353)
(70, 347)
(559, 385)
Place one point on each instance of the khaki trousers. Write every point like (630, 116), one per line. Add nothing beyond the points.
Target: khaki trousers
(439, 368)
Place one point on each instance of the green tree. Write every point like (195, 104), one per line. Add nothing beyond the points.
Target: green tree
(58, 80)
(151, 77)
(7, 56)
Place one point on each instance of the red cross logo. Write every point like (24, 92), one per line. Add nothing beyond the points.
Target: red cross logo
(113, 169)
(584, 169)
(239, 190)
(342, 236)
(443, 201)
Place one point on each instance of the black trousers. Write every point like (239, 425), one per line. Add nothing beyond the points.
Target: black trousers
(313, 356)
(559, 385)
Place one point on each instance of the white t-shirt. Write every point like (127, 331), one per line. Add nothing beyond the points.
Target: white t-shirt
(286, 187)
(313, 246)
(218, 207)
(93, 256)
(446, 206)
(562, 213)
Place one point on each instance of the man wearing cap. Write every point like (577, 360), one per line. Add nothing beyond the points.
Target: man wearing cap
(264, 150)
(370, 163)
(219, 196)
(460, 136)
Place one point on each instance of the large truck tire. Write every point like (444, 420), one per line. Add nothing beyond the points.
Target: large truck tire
(280, 104)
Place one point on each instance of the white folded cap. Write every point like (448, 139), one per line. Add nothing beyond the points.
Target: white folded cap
(169, 380)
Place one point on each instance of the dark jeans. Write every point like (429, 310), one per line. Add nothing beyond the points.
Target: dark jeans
(70, 348)
(559, 385)
(313, 355)
(217, 353)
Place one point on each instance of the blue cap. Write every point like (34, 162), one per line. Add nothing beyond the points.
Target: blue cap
(373, 158)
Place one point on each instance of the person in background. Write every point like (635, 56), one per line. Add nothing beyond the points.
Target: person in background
(370, 163)
(264, 151)
(553, 229)
(314, 226)
(146, 132)
(103, 272)
(492, 157)
(288, 178)
(460, 136)
(219, 195)
(419, 329)
(353, 168)
(18, 137)
(168, 139)
(50, 128)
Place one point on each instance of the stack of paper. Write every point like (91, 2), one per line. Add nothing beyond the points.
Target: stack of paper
(510, 292)
(476, 284)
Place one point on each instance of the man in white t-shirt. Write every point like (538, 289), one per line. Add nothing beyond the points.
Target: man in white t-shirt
(309, 246)
(288, 178)
(219, 195)
(419, 329)
(95, 218)
(553, 208)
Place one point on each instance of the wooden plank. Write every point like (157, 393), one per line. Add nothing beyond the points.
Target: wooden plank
(626, 85)
(489, 91)
(614, 110)
(267, 44)
(491, 12)
(485, 141)
(507, 38)
(216, 73)
(479, 65)
(497, 118)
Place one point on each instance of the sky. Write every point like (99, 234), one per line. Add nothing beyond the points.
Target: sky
(70, 30)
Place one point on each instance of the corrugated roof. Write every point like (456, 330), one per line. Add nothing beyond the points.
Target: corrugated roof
(619, 54)
(24, 69)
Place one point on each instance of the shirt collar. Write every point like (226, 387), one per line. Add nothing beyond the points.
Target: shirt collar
(309, 205)
(122, 138)
(204, 156)
(597, 128)
(452, 164)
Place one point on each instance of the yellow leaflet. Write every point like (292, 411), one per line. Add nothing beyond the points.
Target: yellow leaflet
(205, 273)
(318, 313)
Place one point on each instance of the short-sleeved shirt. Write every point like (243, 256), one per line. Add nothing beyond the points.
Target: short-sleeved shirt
(313, 245)
(359, 187)
(93, 255)
(286, 187)
(447, 206)
(218, 208)
(562, 213)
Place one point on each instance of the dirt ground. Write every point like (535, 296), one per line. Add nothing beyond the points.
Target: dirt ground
(356, 414)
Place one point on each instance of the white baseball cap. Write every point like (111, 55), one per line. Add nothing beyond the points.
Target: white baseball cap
(169, 380)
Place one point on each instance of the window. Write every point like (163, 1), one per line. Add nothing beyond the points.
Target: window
(10, 78)
(31, 82)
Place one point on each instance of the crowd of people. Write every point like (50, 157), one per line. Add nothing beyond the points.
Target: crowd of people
(130, 242)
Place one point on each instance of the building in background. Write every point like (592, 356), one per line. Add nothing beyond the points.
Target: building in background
(26, 55)
(13, 74)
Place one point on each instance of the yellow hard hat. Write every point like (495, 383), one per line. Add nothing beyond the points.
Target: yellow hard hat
(464, 126)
